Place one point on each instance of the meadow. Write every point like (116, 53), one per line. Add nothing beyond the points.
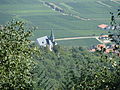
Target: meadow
(37, 14)
(80, 42)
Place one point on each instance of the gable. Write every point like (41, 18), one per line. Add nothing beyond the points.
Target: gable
(42, 41)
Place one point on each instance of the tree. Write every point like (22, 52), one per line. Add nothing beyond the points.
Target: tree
(16, 54)
(115, 24)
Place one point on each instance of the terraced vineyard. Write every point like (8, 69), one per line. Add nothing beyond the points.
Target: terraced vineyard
(80, 17)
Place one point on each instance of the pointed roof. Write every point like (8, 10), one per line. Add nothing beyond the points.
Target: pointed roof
(52, 36)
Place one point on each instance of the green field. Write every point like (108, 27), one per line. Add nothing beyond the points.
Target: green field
(81, 42)
(36, 13)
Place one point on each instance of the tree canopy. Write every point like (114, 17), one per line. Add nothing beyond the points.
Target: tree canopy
(115, 24)
(15, 56)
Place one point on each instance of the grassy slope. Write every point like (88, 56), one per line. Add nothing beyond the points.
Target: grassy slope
(81, 42)
(18, 1)
(35, 13)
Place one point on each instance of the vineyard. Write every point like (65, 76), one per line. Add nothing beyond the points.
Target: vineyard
(80, 17)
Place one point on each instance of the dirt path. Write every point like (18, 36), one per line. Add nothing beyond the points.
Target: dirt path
(64, 13)
(115, 1)
(97, 38)
(100, 2)
(75, 38)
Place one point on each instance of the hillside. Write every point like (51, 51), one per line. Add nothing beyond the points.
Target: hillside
(18, 1)
(80, 17)
(26, 66)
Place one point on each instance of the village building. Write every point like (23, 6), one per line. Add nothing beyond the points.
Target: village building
(103, 26)
(104, 38)
(100, 46)
(46, 41)
(108, 27)
(109, 50)
(92, 48)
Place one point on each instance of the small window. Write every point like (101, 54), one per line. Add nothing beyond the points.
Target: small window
(47, 41)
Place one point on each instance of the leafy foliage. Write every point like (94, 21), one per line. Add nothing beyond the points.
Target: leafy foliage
(76, 69)
(15, 57)
(115, 32)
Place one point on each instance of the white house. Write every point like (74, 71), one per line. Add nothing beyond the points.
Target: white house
(46, 41)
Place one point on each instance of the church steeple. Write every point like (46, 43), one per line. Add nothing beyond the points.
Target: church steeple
(52, 38)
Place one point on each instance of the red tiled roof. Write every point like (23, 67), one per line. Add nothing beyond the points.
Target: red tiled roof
(92, 50)
(102, 26)
(104, 36)
(101, 46)
(109, 50)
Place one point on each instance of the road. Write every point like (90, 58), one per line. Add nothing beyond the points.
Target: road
(75, 38)
(72, 38)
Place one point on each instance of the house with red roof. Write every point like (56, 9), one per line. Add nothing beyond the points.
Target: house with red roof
(103, 26)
